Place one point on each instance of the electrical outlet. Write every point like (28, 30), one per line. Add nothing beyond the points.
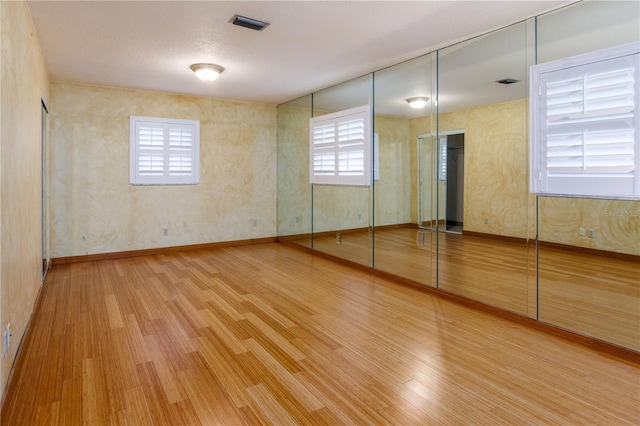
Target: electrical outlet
(254, 222)
(359, 216)
(297, 219)
(486, 220)
(592, 233)
(6, 341)
(165, 232)
(583, 232)
(338, 238)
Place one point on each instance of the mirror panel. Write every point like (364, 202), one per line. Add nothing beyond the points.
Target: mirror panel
(294, 190)
(581, 273)
(341, 215)
(586, 27)
(483, 254)
(589, 249)
(403, 193)
(589, 267)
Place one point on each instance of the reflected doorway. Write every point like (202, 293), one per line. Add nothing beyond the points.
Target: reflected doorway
(441, 181)
(454, 182)
(427, 181)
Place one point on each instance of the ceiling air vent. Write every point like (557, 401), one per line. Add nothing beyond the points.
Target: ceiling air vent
(507, 81)
(254, 24)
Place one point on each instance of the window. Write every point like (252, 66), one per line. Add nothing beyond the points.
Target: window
(340, 151)
(442, 159)
(164, 151)
(585, 124)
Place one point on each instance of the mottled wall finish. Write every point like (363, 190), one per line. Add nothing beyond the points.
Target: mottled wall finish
(496, 164)
(96, 210)
(393, 191)
(340, 207)
(616, 223)
(294, 190)
(23, 82)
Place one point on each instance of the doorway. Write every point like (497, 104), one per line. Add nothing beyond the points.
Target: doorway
(454, 217)
(441, 181)
(44, 187)
(427, 181)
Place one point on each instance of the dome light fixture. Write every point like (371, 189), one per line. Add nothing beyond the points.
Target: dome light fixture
(417, 101)
(207, 72)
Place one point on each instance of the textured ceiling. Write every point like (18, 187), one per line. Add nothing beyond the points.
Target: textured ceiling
(309, 45)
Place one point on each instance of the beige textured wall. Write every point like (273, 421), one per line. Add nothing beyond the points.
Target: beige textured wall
(496, 164)
(616, 223)
(96, 210)
(23, 81)
(294, 190)
(393, 190)
(340, 207)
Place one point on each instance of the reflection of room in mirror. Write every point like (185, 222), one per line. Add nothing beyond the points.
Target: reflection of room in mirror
(454, 211)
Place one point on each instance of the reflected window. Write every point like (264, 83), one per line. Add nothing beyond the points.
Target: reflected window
(443, 159)
(340, 148)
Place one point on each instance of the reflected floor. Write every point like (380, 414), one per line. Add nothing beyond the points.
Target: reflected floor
(595, 295)
(586, 293)
(491, 271)
(353, 246)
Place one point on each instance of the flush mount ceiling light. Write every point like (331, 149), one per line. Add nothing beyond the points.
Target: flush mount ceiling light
(207, 72)
(417, 101)
(254, 24)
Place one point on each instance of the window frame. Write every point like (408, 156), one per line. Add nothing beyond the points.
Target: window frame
(601, 184)
(136, 177)
(332, 148)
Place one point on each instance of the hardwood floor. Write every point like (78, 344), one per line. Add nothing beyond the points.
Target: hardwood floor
(267, 334)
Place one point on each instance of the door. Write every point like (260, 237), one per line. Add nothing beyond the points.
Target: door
(428, 181)
(44, 149)
(441, 181)
(454, 216)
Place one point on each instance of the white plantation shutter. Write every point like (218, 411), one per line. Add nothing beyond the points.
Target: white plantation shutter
(340, 148)
(442, 159)
(585, 124)
(150, 157)
(351, 147)
(181, 144)
(324, 158)
(164, 151)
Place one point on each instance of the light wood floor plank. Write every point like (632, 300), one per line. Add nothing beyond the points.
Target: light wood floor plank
(267, 334)
(586, 292)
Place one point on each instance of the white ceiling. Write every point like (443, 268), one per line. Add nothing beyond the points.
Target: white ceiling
(309, 45)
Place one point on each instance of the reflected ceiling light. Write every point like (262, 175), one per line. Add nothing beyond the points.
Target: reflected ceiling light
(417, 101)
(207, 72)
